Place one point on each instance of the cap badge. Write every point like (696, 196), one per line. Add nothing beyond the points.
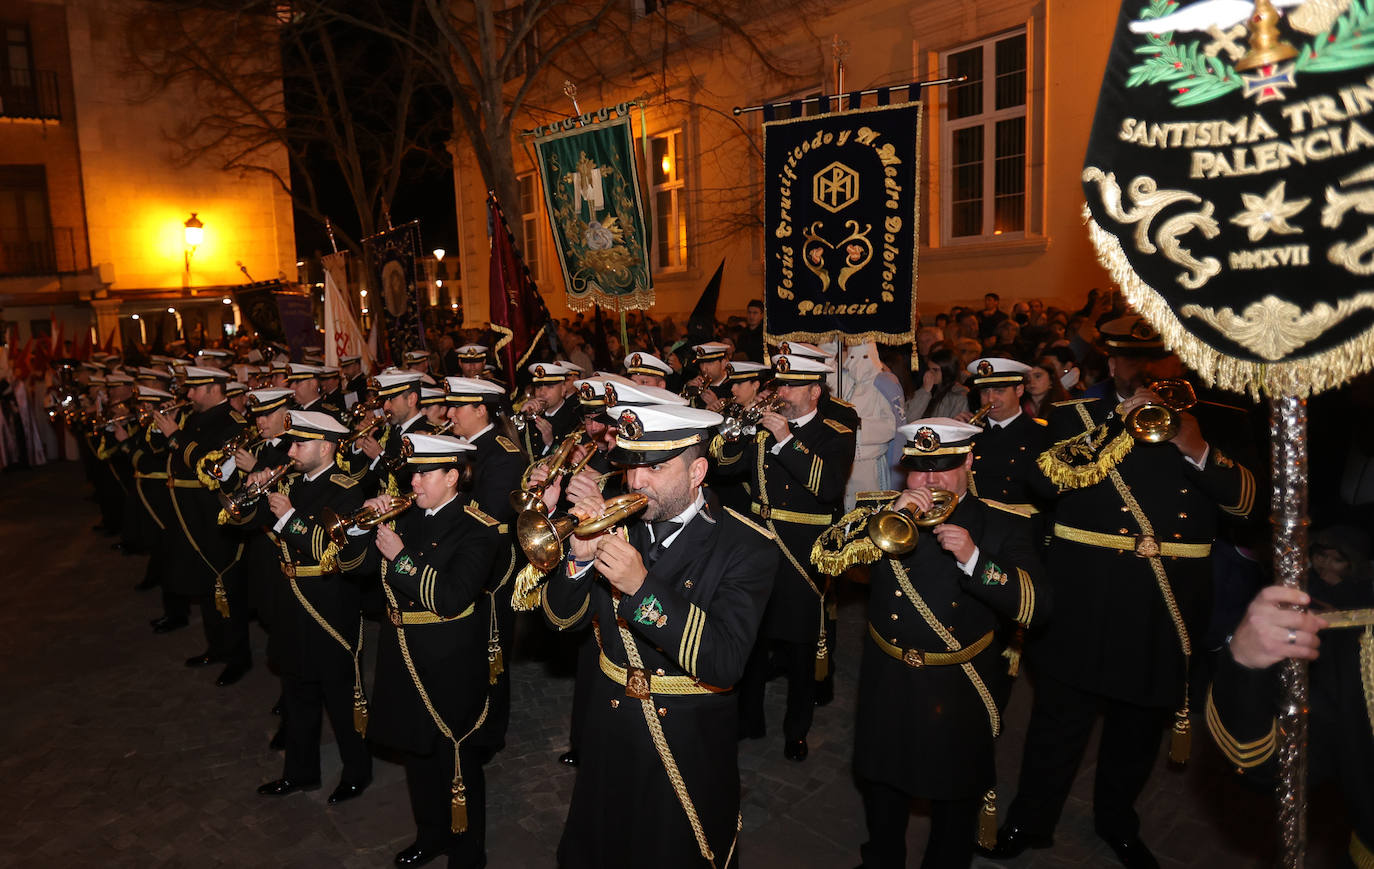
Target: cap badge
(636, 360)
(407, 447)
(984, 367)
(611, 398)
(783, 365)
(926, 440)
(587, 392)
(1143, 330)
(538, 371)
(630, 426)
(729, 369)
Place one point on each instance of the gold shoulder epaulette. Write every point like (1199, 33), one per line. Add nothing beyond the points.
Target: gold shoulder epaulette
(841, 402)
(750, 522)
(838, 426)
(342, 480)
(1073, 401)
(238, 417)
(507, 444)
(1007, 508)
(476, 513)
(1038, 421)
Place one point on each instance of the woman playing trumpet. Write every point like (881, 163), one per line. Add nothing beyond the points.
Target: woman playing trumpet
(934, 679)
(432, 670)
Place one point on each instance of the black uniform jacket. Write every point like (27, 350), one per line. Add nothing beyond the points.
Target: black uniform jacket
(298, 645)
(565, 419)
(1243, 704)
(927, 730)
(1112, 633)
(192, 567)
(1004, 460)
(442, 570)
(808, 475)
(379, 476)
(696, 615)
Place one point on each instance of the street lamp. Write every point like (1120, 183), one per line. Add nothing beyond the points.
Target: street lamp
(194, 233)
(439, 254)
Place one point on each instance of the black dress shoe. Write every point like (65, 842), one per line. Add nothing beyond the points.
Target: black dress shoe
(569, 758)
(231, 674)
(1012, 841)
(347, 790)
(167, 624)
(203, 660)
(283, 786)
(795, 750)
(416, 855)
(1132, 852)
(278, 742)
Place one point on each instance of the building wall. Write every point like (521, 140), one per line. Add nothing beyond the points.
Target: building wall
(889, 42)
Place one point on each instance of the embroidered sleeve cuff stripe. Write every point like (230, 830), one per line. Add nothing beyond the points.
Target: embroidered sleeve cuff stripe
(690, 646)
(354, 564)
(1244, 755)
(1246, 502)
(813, 482)
(317, 542)
(1027, 609)
(428, 576)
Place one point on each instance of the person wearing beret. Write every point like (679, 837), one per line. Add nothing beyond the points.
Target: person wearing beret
(934, 678)
(203, 557)
(675, 598)
(432, 680)
(316, 640)
(1130, 561)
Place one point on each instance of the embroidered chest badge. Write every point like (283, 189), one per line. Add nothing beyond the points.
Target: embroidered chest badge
(650, 613)
(405, 565)
(993, 575)
(297, 526)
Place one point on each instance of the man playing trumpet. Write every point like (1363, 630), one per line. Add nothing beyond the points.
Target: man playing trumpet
(675, 601)
(933, 679)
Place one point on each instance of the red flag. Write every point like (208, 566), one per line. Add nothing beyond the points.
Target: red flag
(21, 360)
(55, 333)
(82, 351)
(518, 314)
(110, 341)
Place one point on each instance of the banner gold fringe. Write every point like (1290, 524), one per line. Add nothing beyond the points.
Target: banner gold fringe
(1300, 377)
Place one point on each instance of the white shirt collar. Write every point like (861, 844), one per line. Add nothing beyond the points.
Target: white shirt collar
(320, 473)
(804, 418)
(434, 510)
(685, 517)
(405, 426)
(1004, 423)
(487, 428)
(274, 441)
(550, 411)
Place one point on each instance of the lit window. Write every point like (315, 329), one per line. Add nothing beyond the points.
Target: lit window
(529, 222)
(668, 171)
(984, 140)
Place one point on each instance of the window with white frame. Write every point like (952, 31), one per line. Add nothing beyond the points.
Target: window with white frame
(669, 194)
(529, 223)
(984, 190)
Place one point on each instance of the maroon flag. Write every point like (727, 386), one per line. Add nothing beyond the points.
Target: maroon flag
(518, 314)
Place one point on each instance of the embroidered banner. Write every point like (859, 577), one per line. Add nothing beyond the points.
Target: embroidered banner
(395, 254)
(841, 214)
(279, 312)
(591, 188)
(1230, 185)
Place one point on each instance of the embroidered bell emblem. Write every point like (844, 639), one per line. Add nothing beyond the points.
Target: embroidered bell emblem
(1266, 48)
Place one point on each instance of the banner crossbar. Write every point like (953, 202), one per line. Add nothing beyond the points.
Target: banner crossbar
(953, 79)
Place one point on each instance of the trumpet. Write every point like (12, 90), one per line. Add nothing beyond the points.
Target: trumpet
(165, 409)
(367, 430)
(744, 422)
(1156, 422)
(531, 496)
(541, 537)
(365, 519)
(361, 411)
(980, 416)
(528, 413)
(895, 531)
(237, 504)
(691, 390)
(249, 437)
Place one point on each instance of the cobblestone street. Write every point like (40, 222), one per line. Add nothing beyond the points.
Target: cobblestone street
(115, 754)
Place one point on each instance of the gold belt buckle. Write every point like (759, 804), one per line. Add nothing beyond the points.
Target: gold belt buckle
(914, 658)
(394, 616)
(1146, 546)
(288, 568)
(637, 683)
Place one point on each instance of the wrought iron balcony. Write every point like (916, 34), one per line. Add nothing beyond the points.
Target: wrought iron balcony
(31, 94)
(50, 251)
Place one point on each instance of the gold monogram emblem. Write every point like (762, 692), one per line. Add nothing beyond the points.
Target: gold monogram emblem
(835, 188)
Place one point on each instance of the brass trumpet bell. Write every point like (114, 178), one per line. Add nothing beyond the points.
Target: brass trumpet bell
(541, 537)
(1157, 422)
(336, 526)
(895, 532)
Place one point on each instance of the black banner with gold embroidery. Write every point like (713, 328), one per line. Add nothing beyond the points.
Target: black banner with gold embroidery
(1230, 185)
(841, 218)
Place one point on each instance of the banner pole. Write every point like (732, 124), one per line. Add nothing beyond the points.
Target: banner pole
(1288, 503)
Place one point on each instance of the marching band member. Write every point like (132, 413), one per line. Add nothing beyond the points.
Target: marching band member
(675, 602)
(472, 361)
(478, 410)
(202, 558)
(331, 388)
(647, 369)
(434, 405)
(432, 667)
(556, 415)
(400, 395)
(316, 639)
(304, 380)
(1004, 460)
(237, 394)
(416, 360)
(798, 464)
(831, 405)
(354, 379)
(711, 362)
(933, 679)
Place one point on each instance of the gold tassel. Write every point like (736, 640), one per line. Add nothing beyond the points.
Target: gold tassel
(525, 594)
(221, 599)
(359, 712)
(822, 659)
(1013, 656)
(1054, 462)
(222, 518)
(987, 821)
(496, 664)
(458, 809)
(1181, 741)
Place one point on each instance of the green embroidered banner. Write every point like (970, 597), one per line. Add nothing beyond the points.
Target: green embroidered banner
(591, 188)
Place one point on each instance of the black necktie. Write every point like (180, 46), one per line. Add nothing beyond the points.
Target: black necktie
(662, 531)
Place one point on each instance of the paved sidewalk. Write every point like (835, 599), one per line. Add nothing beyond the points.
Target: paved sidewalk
(115, 754)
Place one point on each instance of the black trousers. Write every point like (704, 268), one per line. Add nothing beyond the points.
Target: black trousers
(1061, 722)
(798, 662)
(587, 656)
(429, 778)
(306, 700)
(953, 827)
(227, 638)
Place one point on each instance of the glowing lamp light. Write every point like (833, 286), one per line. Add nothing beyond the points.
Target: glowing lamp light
(226, 300)
(135, 317)
(171, 310)
(364, 310)
(195, 231)
(438, 282)
(363, 293)
(439, 253)
(455, 306)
